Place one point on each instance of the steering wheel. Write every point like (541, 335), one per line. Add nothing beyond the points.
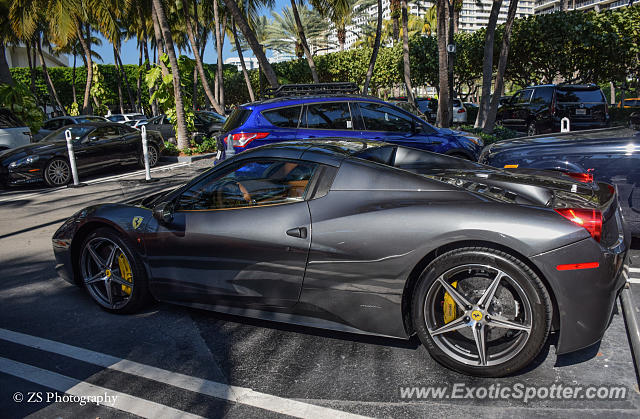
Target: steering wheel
(233, 194)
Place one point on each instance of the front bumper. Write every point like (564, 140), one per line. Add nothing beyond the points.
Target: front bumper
(585, 298)
(21, 175)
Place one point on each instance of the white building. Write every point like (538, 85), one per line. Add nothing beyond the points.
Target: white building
(550, 6)
(17, 57)
(250, 62)
(475, 13)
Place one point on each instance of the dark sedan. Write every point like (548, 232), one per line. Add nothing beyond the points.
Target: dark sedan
(205, 122)
(96, 145)
(368, 237)
(609, 155)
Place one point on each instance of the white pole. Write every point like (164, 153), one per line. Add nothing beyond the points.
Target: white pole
(145, 153)
(565, 125)
(230, 151)
(72, 157)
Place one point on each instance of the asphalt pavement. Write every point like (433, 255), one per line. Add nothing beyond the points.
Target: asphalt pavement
(61, 356)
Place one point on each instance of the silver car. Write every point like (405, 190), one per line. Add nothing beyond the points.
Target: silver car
(13, 132)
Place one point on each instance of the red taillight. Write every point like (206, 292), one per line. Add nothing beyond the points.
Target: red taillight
(587, 218)
(243, 138)
(582, 177)
(461, 110)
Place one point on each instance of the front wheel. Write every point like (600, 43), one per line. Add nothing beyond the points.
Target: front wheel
(57, 172)
(112, 272)
(481, 312)
(154, 156)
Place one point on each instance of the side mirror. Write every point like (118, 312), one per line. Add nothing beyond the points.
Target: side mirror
(163, 212)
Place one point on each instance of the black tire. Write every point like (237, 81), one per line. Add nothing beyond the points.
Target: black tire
(531, 129)
(154, 156)
(124, 299)
(57, 172)
(507, 350)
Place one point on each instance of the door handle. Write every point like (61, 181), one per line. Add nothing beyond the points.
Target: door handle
(299, 232)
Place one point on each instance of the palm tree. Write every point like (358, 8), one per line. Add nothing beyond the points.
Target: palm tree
(303, 39)
(238, 48)
(74, 48)
(283, 35)
(395, 7)
(5, 34)
(253, 42)
(158, 10)
(340, 13)
(405, 52)
(376, 48)
(487, 65)
(444, 99)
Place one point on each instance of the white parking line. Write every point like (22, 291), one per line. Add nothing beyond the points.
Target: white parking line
(74, 387)
(635, 270)
(235, 394)
(633, 280)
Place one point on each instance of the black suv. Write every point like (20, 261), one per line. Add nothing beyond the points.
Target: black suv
(540, 109)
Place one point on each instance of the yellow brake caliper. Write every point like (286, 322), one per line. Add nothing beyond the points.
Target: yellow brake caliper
(449, 306)
(125, 272)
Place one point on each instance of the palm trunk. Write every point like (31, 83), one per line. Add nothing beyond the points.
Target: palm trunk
(376, 48)
(118, 80)
(196, 53)
(194, 91)
(159, 43)
(405, 53)
(487, 65)
(139, 82)
(444, 108)
(183, 141)
(52, 88)
(86, 104)
(125, 78)
(32, 65)
(5, 74)
(219, 74)
(247, 80)
(253, 43)
(154, 104)
(303, 40)
(73, 79)
(502, 66)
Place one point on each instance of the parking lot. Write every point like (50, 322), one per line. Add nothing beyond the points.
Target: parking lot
(174, 361)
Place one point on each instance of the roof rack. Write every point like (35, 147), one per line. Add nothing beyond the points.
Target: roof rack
(313, 89)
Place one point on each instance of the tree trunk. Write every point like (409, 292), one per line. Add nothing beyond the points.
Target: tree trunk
(154, 104)
(194, 91)
(5, 74)
(159, 43)
(219, 74)
(196, 53)
(612, 88)
(139, 82)
(126, 79)
(118, 80)
(405, 53)
(303, 40)
(247, 80)
(502, 66)
(73, 79)
(52, 88)
(444, 101)
(374, 53)
(32, 75)
(183, 140)
(487, 65)
(86, 104)
(253, 43)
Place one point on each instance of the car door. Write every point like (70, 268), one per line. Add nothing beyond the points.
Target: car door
(129, 144)
(285, 120)
(100, 149)
(327, 119)
(240, 235)
(387, 123)
(541, 108)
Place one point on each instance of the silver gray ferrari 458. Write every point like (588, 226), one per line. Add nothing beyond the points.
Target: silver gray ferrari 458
(482, 264)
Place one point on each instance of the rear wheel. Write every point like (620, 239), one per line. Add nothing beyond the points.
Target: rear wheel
(481, 312)
(112, 272)
(57, 172)
(154, 156)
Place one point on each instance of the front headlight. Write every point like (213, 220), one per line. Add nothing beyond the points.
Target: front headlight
(25, 161)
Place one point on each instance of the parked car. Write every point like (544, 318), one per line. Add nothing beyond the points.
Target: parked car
(54, 124)
(470, 105)
(316, 116)
(430, 107)
(409, 108)
(123, 117)
(13, 132)
(630, 103)
(611, 155)
(367, 237)
(205, 123)
(97, 145)
(540, 109)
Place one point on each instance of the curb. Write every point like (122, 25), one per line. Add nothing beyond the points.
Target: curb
(187, 159)
(629, 312)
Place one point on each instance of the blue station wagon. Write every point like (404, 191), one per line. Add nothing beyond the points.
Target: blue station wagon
(344, 116)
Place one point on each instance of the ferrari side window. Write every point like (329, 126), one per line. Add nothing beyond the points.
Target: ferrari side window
(252, 183)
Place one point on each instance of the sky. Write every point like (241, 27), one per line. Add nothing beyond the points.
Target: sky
(129, 53)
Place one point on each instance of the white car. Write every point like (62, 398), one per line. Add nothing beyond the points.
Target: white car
(13, 132)
(459, 112)
(124, 117)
